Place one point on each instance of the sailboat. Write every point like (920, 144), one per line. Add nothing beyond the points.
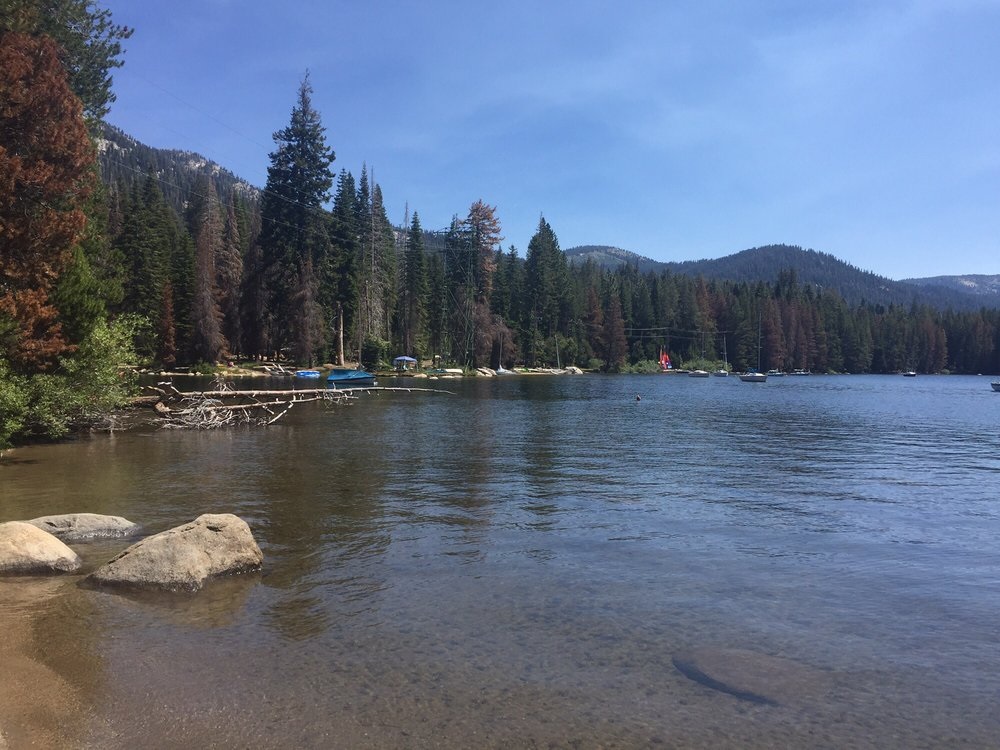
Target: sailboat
(755, 376)
(724, 372)
(500, 368)
(664, 361)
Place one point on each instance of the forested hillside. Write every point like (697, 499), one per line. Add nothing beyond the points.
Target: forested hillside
(168, 260)
(125, 162)
(822, 270)
(984, 288)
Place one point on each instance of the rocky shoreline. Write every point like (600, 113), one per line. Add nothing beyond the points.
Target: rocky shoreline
(34, 551)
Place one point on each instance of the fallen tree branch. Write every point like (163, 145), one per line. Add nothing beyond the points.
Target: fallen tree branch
(207, 409)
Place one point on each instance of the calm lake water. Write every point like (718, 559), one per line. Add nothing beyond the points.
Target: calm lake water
(524, 563)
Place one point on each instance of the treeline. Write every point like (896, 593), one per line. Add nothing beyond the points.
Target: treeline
(312, 270)
(353, 285)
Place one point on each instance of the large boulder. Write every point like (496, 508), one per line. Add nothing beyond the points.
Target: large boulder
(27, 549)
(74, 527)
(184, 557)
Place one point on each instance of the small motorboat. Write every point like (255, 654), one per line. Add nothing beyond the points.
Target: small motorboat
(775, 374)
(996, 386)
(346, 377)
(909, 374)
(311, 374)
(752, 376)
(698, 374)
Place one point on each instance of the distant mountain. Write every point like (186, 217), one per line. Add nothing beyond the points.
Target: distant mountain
(606, 256)
(984, 287)
(820, 270)
(125, 161)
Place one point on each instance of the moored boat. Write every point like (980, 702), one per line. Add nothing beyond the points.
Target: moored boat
(312, 374)
(751, 375)
(698, 374)
(345, 377)
(775, 373)
(996, 386)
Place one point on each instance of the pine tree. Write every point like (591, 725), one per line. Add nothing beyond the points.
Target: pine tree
(228, 275)
(339, 289)
(547, 304)
(437, 305)
(483, 229)
(89, 44)
(613, 340)
(207, 344)
(253, 304)
(415, 290)
(45, 159)
(595, 324)
(167, 333)
(294, 235)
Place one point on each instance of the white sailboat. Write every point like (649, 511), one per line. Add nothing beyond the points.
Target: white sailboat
(755, 376)
(724, 372)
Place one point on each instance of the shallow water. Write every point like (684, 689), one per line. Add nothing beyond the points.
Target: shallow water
(523, 562)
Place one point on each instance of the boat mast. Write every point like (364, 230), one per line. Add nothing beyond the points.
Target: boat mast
(758, 341)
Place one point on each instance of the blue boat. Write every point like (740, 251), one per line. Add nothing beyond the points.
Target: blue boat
(307, 373)
(344, 377)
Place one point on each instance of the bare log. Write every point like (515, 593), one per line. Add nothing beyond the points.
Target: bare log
(210, 410)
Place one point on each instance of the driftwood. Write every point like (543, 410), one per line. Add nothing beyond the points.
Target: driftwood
(225, 406)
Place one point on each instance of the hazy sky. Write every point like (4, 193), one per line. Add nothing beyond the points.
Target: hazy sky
(675, 129)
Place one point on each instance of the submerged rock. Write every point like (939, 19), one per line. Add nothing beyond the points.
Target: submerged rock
(79, 526)
(27, 549)
(752, 676)
(184, 557)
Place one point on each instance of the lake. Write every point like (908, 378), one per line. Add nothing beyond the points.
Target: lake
(550, 562)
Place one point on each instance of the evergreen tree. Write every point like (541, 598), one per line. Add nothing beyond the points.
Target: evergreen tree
(339, 290)
(254, 330)
(45, 159)
(546, 303)
(229, 274)
(437, 305)
(613, 340)
(414, 291)
(207, 344)
(385, 268)
(89, 43)
(294, 237)
(481, 229)
(167, 332)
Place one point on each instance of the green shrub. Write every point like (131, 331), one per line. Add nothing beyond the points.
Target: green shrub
(13, 404)
(375, 353)
(85, 390)
(644, 367)
(204, 368)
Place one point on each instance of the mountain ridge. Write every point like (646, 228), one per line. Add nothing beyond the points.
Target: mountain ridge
(822, 270)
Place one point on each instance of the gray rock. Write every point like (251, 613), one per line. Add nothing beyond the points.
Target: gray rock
(27, 549)
(74, 527)
(184, 557)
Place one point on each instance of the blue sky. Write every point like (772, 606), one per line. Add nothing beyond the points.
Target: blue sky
(675, 129)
